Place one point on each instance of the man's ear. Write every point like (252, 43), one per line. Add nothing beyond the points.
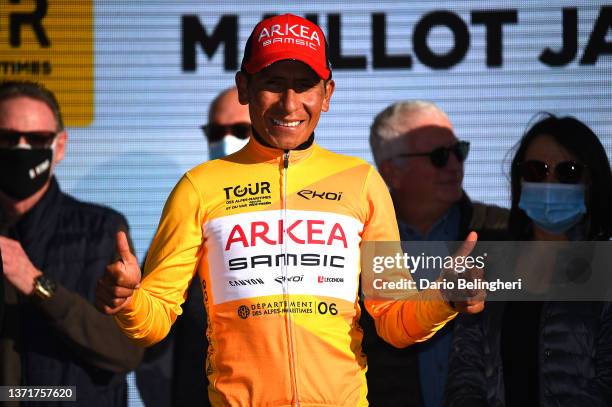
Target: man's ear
(242, 84)
(60, 147)
(330, 85)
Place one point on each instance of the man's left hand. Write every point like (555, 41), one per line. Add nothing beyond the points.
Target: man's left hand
(18, 269)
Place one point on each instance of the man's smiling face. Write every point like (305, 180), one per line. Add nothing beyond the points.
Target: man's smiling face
(285, 102)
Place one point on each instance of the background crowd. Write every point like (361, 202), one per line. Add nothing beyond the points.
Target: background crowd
(55, 248)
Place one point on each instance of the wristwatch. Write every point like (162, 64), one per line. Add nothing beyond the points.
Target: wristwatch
(44, 287)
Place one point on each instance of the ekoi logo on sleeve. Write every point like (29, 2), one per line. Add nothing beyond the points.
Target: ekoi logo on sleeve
(310, 231)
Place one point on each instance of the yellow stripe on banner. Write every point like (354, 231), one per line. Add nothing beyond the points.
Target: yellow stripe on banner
(51, 42)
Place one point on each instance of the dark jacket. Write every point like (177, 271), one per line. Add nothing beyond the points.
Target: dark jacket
(173, 371)
(392, 374)
(64, 340)
(574, 356)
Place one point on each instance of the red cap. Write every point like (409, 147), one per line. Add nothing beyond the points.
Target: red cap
(286, 37)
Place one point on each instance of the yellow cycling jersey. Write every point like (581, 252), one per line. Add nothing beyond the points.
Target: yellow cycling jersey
(274, 237)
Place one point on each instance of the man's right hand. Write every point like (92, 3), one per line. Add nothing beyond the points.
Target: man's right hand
(116, 287)
(465, 301)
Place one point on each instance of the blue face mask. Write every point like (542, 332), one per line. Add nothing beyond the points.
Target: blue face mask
(553, 207)
(226, 146)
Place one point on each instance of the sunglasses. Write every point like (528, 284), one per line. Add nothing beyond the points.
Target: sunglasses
(439, 156)
(215, 132)
(36, 139)
(567, 172)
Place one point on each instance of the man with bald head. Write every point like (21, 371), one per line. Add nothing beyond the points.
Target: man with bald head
(227, 131)
(229, 125)
(172, 370)
(422, 162)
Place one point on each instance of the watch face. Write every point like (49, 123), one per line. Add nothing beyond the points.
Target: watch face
(45, 287)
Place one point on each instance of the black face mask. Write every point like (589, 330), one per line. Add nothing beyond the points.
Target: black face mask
(24, 172)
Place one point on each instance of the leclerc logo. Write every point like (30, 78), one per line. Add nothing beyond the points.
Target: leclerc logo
(323, 280)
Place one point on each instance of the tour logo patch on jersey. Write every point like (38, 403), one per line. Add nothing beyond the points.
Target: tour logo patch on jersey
(247, 195)
(262, 253)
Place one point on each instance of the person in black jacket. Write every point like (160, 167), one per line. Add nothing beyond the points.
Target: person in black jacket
(544, 353)
(421, 160)
(54, 249)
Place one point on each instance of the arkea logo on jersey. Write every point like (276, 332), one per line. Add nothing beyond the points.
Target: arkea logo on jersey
(311, 232)
(286, 250)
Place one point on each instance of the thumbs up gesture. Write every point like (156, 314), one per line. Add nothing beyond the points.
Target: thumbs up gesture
(465, 301)
(116, 287)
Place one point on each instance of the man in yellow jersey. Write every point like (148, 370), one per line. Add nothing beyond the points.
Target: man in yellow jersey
(274, 234)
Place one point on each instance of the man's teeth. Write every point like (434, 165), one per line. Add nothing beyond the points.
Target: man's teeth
(286, 124)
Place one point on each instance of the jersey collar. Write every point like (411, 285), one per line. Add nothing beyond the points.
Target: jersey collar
(260, 150)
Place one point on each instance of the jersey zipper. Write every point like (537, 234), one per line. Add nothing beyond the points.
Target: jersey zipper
(286, 297)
